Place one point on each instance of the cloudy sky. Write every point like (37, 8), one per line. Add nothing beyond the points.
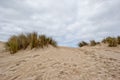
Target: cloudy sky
(67, 21)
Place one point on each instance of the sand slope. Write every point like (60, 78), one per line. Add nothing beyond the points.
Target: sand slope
(62, 63)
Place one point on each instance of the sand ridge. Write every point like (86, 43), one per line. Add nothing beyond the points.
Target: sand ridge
(62, 63)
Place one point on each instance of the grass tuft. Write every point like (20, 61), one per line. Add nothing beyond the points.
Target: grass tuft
(93, 43)
(22, 41)
(33, 40)
(45, 41)
(111, 41)
(83, 43)
(13, 45)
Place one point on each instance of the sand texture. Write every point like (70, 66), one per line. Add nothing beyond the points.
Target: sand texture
(62, 63)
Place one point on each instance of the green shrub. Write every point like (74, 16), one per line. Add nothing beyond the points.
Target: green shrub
(83, 43)
(92, 43)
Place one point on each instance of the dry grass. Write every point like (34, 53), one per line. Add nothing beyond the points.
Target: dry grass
(12, 45)
(111, 41)
(33, 40)
(93, 43)
(22, 41)
(83, 43)
(45, 41)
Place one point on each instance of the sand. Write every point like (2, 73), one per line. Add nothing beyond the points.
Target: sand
(62, 63)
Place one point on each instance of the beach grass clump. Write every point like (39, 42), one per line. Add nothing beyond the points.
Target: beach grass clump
(111, 41)
(33, 40)
(42, 41)
(22, 41)
(45, 41)
(93, 43)
(51, 42)
(83, 43)
(12, 45)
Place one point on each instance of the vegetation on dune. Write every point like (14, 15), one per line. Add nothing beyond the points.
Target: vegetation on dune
(93, 43)
(33, 40)
(23, 41)
(12, 45)
(83, 43)
(111, 41)
(45, 41)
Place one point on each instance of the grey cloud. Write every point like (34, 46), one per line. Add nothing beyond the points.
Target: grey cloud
(68, 21)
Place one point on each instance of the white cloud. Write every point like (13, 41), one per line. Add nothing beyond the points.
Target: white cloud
(68, 21)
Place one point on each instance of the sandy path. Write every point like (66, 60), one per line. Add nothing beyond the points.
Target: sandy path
(87, 63)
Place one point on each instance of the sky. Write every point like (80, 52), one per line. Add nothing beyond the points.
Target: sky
(67, 21)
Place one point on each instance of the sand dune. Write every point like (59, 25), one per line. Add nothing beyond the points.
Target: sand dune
(62, 63)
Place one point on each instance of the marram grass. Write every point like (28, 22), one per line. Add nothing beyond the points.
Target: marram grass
(110, 41)
(22, 41)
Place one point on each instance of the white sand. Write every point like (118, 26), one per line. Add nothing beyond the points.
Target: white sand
(62, 63)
